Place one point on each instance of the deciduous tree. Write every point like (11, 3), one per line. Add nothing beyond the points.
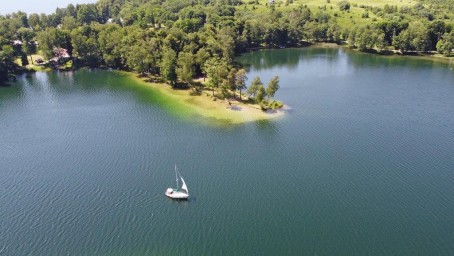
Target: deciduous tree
(185, 67)
(168, 65)
(446, 44)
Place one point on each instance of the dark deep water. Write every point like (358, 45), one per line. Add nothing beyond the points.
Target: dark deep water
(363, 164)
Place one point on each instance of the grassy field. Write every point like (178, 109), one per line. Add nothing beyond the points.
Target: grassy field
(345, 19)
(33, 66)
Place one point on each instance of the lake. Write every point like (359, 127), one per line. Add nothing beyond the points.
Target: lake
(362, 164)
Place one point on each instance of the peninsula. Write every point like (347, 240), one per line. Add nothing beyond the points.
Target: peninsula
(223, 111)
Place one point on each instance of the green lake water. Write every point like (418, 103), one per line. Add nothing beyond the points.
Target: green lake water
(362, 163)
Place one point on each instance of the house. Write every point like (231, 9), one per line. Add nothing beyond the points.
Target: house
(60, 54)
(17, 42)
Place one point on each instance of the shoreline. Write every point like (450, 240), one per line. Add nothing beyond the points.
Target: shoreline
(429, 56)
(221, 111)
(235, 112)
(232, 111)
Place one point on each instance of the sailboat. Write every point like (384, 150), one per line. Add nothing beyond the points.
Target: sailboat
(176, 193)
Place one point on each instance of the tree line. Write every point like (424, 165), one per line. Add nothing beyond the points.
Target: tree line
(177, 40)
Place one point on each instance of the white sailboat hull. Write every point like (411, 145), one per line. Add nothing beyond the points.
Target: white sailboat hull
(175, 194)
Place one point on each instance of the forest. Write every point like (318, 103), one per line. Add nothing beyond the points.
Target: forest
(175, 41)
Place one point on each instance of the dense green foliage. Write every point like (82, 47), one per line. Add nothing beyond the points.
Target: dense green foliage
(178, 40)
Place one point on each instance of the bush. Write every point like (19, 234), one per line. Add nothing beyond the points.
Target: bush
(264, 105)
(344, 6)
(276, 104)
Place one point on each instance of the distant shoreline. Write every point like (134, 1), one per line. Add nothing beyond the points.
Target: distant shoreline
(392, 53)
(386, 53)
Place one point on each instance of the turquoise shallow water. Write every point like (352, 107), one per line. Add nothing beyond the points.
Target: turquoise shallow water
(363, 164)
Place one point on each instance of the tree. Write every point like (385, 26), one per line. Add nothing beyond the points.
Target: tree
(421, 36)
(85, 47)
(352, 36)
(209, 68)
(392, 28)
(261, 93)
(34, 21)
(46, 43)
(27, 35)
(185, 67)
(153, 47)
(51, 38)
(240, 80)
(402, 41)
(168, 65)
(316, 31)
(141, 54)
(415, 38)
(28, 49)
(87, 13)
(228, 84)
(201, 57)
(110, 43)
(70, 11)
(136, 58)
(366, 38)
(436, 30)
(254, 87)
(21, 17)
(226, 42)
(297, 19)
(272, 87)
(446, 44)
(7, 65)
(69, 23)
(216, 70)
(24, 60)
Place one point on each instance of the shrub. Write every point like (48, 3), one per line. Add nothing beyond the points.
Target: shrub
(344, 5)
(264, 105)
(276, 104)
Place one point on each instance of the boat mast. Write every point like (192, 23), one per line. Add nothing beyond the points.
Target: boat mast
(176, 175)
